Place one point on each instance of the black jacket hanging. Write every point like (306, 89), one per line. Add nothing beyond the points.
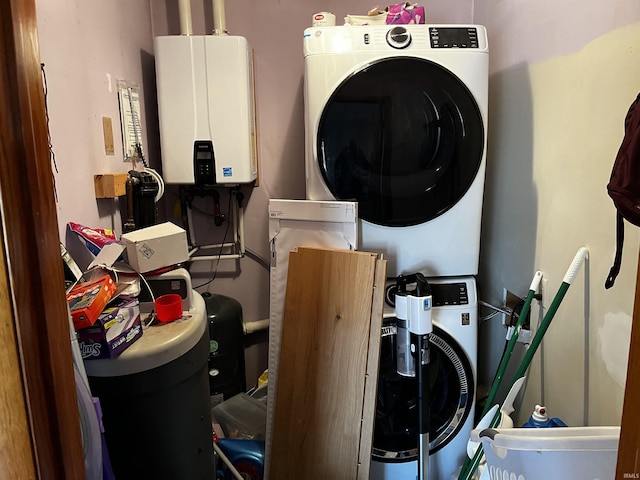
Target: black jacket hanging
(624, 184)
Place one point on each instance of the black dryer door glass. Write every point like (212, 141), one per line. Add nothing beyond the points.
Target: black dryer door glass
(404, 137)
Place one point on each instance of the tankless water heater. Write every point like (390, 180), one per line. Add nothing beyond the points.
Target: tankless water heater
(207, 110)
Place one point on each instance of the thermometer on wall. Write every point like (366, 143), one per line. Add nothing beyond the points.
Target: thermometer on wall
(132, 138)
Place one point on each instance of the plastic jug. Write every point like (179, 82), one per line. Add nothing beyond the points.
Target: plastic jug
(539, 419)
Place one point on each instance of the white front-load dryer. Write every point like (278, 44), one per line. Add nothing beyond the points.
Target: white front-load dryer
(396, 118)
(452, 373)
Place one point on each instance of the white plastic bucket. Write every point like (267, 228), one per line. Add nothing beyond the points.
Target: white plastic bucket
(585, 453)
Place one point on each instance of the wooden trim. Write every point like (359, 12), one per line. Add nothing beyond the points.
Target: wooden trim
(629, 446)
(373, 367)
(33, 249)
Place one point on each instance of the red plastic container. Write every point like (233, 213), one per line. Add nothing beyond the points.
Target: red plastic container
(169, 307)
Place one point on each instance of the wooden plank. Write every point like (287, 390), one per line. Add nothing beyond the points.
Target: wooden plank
(371, 380)
(324, 362)
(629, 446)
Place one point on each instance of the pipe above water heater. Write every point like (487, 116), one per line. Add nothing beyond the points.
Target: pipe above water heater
(219, 19)
(184, 12)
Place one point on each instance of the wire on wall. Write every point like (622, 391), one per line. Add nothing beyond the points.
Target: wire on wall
(52, 154)
(495, 311)
(224, 239)
(258, 258)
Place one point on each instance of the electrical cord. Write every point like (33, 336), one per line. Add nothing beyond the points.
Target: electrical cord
(224, 238)
(258, 258)
(52, 154)
(496, 310)
(158, 180)
(254, 255)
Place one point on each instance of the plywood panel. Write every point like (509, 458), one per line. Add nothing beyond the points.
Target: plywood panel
(328, 362)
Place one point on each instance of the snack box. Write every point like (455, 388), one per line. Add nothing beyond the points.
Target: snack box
(115, 330)
(88, 299)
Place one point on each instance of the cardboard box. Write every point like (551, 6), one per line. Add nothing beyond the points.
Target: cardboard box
(115, 330)
(110, 185)
(88, 299)
(155, 247)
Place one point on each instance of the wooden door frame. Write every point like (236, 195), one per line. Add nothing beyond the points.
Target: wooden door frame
(32, 252)
(628, 465)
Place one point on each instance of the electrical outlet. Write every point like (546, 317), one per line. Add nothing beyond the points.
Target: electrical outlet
(509, 302)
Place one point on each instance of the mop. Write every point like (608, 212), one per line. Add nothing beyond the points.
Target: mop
(471, 464)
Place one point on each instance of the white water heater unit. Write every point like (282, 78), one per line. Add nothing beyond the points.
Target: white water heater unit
(206, 107)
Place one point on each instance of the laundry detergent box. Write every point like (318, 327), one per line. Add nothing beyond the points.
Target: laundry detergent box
(115, 330)
(157, 246)
(87, 299)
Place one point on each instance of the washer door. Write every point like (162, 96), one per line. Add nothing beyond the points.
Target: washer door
(404, 137)
(395, 437)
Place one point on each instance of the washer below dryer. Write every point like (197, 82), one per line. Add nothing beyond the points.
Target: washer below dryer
(453, 370)
(396, 118)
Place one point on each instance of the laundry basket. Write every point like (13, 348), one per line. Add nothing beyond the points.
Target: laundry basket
(585, 453)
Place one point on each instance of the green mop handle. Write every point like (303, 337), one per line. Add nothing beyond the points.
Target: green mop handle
(512, 343)
(535, 282)
(553, 308)
(579, 258)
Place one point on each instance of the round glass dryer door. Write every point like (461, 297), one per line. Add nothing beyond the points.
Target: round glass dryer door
(450, 398)
(404, 137)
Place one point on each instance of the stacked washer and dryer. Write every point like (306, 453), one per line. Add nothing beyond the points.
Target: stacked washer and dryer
(396, 118)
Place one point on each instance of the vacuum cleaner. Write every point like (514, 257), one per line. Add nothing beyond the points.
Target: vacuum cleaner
(413, 311)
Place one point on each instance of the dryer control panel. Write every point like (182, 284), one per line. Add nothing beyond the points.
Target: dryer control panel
(453, 37)
(400, 39)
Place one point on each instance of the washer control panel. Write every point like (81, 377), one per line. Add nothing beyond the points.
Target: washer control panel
(449, 294)
(453, 37)
(445, 293)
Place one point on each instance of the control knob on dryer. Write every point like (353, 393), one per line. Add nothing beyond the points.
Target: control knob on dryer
(398, 37)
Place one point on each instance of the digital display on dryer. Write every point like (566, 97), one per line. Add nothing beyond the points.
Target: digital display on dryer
(442, 37)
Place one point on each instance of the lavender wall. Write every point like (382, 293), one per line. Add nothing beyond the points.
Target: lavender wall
(562, 78)
(86, 47)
